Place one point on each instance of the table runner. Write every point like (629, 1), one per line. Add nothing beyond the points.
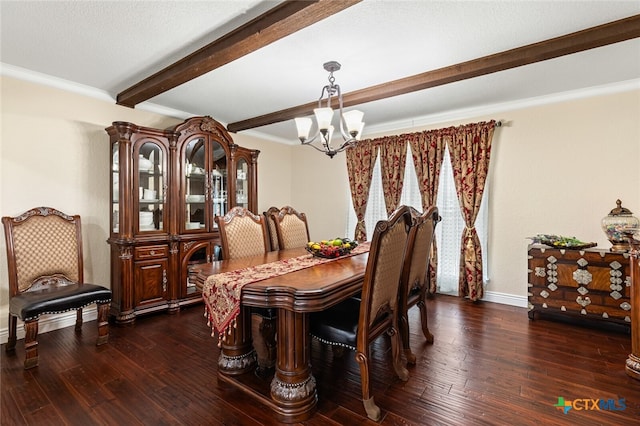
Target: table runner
(221, 292)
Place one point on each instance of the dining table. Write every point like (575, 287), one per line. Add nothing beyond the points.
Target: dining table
(294, 293)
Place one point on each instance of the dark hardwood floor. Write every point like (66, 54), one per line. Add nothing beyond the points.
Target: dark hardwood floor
(489, 365)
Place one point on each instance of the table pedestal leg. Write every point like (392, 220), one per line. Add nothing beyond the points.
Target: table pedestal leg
(237, 355)
(293, 388)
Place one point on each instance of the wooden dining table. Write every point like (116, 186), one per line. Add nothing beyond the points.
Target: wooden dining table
(292, 391)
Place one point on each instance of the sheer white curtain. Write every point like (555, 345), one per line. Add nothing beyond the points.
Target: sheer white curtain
(448, 231)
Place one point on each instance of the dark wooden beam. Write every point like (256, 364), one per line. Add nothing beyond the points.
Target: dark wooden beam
(279, 22)
(602, 35)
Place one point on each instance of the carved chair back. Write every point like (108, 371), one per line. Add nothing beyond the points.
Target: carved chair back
(291, 228)
(242, 233)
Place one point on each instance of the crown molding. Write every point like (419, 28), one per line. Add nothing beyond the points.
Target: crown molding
(55, 82)
(83, 90)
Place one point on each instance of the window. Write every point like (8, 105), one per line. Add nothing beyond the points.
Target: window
(448, 231)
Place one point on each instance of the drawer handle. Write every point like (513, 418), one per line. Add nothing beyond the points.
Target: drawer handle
(152, 252)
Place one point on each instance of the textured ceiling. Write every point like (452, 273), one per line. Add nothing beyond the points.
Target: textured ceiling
(110, 46)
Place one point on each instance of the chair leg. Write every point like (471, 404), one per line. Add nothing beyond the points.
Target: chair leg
(31, 344)
(403, 325)
(78, 319)
(103, 323)
(423, 319)
(11, 342)
(400, 369)
(263, 333)
(373, 411)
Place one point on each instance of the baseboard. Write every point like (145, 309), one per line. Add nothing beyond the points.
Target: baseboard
(505, 299)
(53, 322)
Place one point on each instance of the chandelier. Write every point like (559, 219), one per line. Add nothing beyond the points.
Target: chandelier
(351, 123)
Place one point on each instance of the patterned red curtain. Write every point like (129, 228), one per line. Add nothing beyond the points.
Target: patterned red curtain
(427, 149)
(360, 161)
(393, 157)
(470, 150)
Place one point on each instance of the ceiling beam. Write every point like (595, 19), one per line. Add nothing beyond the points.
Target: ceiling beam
(278, 22)
(602, 35)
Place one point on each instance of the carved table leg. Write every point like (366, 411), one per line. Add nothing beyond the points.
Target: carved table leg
(237, 355)
(293, 388)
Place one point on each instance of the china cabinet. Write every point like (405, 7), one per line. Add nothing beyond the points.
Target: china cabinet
(166, 188)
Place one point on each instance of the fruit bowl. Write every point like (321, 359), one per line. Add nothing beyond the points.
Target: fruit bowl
(331, 249)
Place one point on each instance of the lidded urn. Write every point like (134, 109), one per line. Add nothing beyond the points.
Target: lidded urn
(612, 225)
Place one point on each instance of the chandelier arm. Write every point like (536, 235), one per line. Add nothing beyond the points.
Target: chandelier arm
(346, 136)
(316, 148)
(327, 89)
(346, 145)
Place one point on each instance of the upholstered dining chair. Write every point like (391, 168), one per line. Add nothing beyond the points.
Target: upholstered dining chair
(291, 228)
(45, 265)
(242, 233)
(355, 325)
(415, 275)
(245, 234)
(271, 227)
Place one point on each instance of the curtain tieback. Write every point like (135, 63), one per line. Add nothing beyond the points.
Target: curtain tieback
(469, 246)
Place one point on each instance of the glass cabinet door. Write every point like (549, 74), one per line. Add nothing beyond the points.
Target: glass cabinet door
(115, 188)
(196, 185)
(152, 187)
(242, 183)
(218, 177)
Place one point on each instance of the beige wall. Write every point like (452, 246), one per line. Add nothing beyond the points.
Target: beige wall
(556, 168)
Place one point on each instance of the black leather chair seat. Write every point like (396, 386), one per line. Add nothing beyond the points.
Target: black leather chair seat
(52, 300)
(338, 324)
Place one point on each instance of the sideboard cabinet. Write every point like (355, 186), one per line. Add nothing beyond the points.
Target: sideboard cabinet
(166, 188)
(590, 284)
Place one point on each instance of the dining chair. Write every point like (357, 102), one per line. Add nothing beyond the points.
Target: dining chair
(45, 266)
(414, 284)
(271, 227)
(356, 324)
(242, 233)
(245, 234)
(291, 228)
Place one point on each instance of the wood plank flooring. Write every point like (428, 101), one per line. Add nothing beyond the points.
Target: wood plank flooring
(489, 365)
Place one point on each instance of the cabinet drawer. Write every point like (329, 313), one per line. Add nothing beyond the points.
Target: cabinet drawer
(151, 252)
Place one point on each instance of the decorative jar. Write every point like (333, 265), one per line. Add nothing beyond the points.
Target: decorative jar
(614, 222)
